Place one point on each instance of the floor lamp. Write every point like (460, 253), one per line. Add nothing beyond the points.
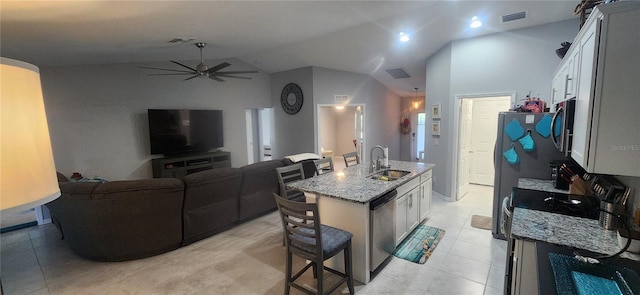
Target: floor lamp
(27, 170)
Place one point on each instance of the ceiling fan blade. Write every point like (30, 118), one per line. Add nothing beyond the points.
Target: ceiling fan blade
(237, 72)
(229, 76)
(218, 67)
(194, 76)
(215, 78)
(169, 74)
(170, 70)
(188, 67)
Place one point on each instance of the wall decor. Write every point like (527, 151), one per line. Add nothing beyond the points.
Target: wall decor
(291, 98)
(435, 128)
(435, 111)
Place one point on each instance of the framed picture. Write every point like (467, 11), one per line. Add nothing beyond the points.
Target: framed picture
(435, 128)
(435, 111)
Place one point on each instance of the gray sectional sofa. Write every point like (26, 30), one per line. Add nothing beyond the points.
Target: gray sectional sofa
(124, 220)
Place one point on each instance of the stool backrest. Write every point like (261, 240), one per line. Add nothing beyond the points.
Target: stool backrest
(324, 165)
(301, 224)
(289, 174)
(351, 158)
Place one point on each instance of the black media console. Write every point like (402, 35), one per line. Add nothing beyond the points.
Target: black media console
(179, 167)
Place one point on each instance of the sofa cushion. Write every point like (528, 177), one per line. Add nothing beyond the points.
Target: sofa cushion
(259, 181)
(211, 202)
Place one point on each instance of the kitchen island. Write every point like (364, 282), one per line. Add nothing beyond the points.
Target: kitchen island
(343, 199)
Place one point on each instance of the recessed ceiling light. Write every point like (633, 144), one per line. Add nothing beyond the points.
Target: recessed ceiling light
(475, 22)
(404, 37)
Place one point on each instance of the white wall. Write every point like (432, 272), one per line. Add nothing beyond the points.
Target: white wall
(97, 114)
(345, 131)
(327, 128)
(520, 60)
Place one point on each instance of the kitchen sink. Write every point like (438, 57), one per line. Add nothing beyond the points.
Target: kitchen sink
(389, 175)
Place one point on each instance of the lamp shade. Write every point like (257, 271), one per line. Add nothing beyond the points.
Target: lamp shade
(27, 170)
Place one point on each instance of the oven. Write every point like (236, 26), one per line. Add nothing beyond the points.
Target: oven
(562, 125)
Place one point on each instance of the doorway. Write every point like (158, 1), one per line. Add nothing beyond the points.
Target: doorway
(259, 124)
(341, 130)
(476, 137)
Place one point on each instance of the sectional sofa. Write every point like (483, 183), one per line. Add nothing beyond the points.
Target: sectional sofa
(124, 220)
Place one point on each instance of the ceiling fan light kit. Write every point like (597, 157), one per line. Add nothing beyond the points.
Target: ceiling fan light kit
(202, 70)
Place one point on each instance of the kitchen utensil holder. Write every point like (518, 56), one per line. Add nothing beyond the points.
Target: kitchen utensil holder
(610, 215)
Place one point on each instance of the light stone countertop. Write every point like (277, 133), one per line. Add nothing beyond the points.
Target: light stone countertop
(539, 185)
(564, 230)
(353, 184)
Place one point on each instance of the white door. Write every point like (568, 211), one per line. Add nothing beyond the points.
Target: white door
(483, 137)
(464, 159)
(249, 132)
(420, 134)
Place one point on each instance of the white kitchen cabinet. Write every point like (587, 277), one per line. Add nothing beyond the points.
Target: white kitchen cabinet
(564, 81)
(606, 134)
(407, 209)
(425, 195)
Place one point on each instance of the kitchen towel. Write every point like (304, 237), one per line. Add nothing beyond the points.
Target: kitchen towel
(527, 142)
(514, 130)
(544, 126)
(511, 155)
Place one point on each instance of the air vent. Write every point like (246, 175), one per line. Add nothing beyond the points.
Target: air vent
(514, 16)
(398, 73)
(341, 98)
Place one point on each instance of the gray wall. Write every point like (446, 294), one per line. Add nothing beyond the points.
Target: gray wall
(327, 129)
(520, 60)
(97, 114)
(293, 134)
(438, 73)
(382, 107)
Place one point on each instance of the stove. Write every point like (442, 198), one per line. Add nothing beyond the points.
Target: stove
(566, 204)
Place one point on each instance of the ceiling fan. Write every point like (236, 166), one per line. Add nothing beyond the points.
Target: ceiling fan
(202, 70)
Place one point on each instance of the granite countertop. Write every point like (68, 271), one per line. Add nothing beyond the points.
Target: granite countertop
(539, 185)
(564, 230)
(352, 184)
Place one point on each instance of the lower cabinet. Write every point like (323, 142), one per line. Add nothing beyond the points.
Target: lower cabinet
(407, 206)
(425, 195)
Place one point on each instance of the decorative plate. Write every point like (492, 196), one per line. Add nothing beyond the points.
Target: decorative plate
(291, 98)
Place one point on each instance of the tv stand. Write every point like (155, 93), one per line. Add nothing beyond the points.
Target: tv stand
(181, 166)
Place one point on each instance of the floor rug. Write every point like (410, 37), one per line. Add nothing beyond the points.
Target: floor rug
(419, 245)
(482, 222)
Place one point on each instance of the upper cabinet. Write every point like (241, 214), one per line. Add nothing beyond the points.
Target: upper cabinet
(605, 59)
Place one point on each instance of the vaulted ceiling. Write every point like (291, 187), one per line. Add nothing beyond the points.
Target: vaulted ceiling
(273, 36)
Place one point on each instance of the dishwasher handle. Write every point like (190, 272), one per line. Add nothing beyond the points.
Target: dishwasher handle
(382, 200)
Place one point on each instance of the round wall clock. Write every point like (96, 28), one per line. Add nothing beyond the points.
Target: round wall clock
(291, 98)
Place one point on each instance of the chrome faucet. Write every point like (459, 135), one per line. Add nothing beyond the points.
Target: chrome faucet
(377, 165)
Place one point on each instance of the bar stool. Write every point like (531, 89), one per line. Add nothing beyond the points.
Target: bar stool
(307, 238)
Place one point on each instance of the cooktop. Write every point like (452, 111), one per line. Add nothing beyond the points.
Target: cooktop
(566, 204)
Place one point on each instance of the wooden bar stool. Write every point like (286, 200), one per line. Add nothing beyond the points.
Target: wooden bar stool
(306, 237)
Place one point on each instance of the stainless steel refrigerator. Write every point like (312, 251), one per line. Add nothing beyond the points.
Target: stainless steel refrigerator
(531, 164)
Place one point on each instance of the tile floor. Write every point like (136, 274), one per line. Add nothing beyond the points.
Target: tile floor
(249, 259)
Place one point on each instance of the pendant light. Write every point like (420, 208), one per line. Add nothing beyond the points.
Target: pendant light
(416, 103)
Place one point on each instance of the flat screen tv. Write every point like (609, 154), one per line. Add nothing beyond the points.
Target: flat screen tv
(184, 131)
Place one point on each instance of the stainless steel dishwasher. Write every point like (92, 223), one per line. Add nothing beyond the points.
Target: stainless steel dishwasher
(383, 228)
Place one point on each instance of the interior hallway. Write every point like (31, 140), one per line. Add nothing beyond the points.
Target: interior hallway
(250, 259)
